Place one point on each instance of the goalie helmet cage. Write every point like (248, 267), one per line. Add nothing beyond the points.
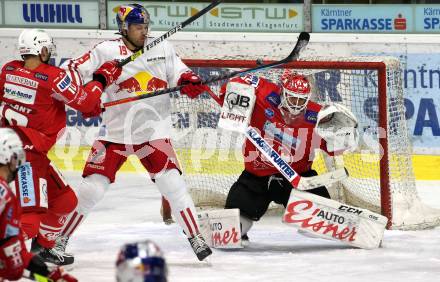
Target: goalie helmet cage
(381, 173)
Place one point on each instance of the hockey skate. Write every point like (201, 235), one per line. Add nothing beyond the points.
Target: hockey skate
(53, 255)
(61, 244)
(201, 249)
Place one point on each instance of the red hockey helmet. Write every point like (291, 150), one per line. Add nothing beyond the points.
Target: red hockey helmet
(296, 93)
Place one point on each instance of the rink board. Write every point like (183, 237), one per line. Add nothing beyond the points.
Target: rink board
(219, 162)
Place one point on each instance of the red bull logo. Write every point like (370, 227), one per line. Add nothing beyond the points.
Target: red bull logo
(141, 83)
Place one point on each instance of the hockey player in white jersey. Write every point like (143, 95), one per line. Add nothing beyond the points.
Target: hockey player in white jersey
(141, 128)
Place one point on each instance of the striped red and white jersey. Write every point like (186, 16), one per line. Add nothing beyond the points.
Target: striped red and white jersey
(143, 120)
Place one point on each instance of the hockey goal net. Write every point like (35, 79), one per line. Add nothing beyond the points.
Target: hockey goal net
(381, 174)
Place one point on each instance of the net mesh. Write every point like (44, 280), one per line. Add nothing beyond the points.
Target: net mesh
(212, 161)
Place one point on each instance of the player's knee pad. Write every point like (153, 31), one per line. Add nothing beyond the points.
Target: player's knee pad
(91, 191)
(171, 185)
(65, 203)
(30, 223)
(246, 224)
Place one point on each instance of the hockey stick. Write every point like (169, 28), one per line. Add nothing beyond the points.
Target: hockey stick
(303, 40)
(169, 33)
(297, 181)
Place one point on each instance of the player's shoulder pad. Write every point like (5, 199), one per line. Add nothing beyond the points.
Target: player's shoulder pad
(105, 44)
(12, 65)
(165, 43)
(312, 111)
(47, 73)
(270, 92)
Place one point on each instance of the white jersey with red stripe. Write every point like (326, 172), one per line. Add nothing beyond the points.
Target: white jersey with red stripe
(143, 120)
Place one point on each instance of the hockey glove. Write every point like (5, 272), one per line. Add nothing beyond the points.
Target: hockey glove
(192, 86)
(94, 100)
(108, 73)
(57, 275)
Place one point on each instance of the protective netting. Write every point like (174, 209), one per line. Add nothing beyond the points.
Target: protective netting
(211, 157)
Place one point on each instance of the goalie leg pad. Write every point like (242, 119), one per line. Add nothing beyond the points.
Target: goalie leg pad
(332, 220)
(221, 228)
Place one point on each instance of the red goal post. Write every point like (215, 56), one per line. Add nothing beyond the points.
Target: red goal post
(382, 177)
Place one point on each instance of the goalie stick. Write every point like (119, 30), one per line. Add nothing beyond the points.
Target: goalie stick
(303, 40)
(298, 182)
(169, 33)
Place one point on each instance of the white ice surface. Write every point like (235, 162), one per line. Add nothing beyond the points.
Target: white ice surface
(130, 212)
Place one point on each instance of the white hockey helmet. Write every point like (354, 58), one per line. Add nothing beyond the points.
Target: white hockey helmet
(31, 41)
(11, 147)
(296, 93)
(141, 262)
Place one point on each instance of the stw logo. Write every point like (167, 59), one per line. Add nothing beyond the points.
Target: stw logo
(305, 215)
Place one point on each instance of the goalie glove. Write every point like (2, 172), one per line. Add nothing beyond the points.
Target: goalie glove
(338, 126)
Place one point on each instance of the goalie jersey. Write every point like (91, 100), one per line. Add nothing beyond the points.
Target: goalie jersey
(295, 141)
(143, 120)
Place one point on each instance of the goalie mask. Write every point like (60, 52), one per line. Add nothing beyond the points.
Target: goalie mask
(296, 93)
(131, 14)
(141, 262)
